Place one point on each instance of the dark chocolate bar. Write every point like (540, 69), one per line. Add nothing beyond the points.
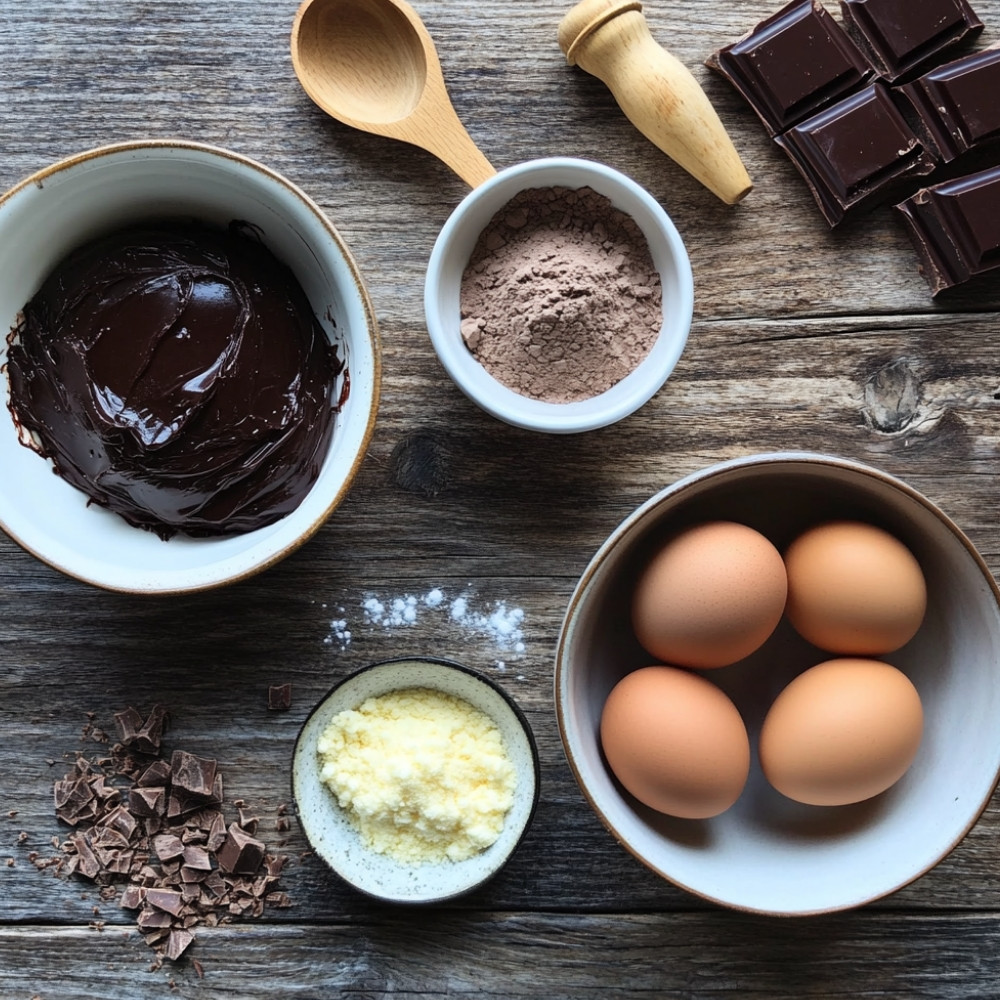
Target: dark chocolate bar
(958, 104)
(955, 228)
(855, 151)
(898, 35)
(792, 64)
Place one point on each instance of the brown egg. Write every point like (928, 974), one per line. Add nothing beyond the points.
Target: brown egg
(711, 596)
(854, 588)
(841, 732)
(676, 742)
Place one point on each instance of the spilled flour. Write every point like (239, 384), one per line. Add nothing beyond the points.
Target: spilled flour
(499, 623)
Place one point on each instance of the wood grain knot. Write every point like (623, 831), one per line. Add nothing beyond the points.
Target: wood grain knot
(892, 398)
(421, 464)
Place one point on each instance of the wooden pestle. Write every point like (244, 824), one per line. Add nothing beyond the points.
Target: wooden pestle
(659, 95)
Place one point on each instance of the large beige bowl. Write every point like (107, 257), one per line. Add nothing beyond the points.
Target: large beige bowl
(64, 205)
(767, 853)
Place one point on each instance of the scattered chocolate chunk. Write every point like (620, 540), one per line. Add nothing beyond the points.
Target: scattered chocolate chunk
(133, 896)
(160, 828)
(147, 801)
(279, 697)
(155, 776)
(168, 900)
(241, 854)
(193, 777)
(177, 943)
(168, 846)
(129, 722)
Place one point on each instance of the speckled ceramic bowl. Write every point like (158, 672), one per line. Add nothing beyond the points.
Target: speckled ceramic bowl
(335, 839)
(75, 200)
(451, 253)
(767, 853)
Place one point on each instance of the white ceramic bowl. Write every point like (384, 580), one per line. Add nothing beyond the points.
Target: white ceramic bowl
(767, 853)
(64, 205)
(451, 253)
(327, 826)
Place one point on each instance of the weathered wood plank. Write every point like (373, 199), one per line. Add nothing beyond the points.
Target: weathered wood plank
(866, 956)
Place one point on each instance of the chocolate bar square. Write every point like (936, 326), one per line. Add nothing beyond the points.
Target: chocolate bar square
(898, 35)
(792, 64)
(955, 228)
(855, 151)
(958, 104)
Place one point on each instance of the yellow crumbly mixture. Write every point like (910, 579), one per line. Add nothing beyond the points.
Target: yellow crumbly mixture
(423, 775)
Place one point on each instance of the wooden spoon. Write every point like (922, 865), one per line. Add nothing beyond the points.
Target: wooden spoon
(371, 64)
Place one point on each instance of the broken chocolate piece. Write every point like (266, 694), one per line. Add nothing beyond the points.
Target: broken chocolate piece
(184, 886)
(899, 35)
(168, 900)
(793, 64)
(241, 854)
(167, 846)
(177, 943)
(279, 697)
(158, 773)
(193, 777)
(129, 722)
(955, 228)
(855, 152)
(958, 104)
(147, 801)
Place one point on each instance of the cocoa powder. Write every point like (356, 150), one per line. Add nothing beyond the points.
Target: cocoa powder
(560, 299)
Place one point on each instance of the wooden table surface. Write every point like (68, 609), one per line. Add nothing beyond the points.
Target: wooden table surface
(803, 338)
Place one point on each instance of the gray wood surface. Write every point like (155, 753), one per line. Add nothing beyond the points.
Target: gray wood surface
(803, 339)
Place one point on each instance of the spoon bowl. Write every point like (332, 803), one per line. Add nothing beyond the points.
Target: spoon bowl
(372, 65)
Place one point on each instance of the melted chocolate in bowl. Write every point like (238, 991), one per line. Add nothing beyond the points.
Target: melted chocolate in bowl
(177, 375)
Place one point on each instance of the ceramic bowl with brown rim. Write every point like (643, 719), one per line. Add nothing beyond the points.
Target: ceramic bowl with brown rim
(768, 853)
(78, 199)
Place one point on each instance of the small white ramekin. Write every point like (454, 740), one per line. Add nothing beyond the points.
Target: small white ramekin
(330, 832)
(451, 253)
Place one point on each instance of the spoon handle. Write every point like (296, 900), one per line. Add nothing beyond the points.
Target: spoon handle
(436, 127)
(659, 95)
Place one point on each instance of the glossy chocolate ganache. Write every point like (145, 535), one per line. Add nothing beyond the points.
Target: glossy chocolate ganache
(178, 376)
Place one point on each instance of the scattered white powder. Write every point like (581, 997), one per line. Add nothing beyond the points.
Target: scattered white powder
(422, 775)
(499, 623)
(339, 632)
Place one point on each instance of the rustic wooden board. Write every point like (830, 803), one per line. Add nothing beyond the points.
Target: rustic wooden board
(803, 339)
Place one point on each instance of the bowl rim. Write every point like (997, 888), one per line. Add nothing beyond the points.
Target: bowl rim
(538, 415)
(123, 148)
(519, 716)
(700, 476)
